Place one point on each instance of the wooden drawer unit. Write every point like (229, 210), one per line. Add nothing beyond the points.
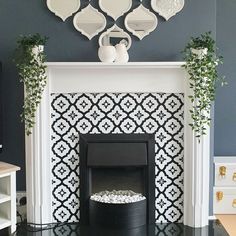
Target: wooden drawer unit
(224, 199)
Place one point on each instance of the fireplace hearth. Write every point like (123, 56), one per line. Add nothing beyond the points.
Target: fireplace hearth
(117, 161)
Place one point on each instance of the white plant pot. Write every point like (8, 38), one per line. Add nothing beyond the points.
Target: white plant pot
(107, 53)
(37, 49)
(200, 52)
(122, 55)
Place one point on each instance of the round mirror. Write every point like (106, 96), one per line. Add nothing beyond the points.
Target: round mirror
(115, 35)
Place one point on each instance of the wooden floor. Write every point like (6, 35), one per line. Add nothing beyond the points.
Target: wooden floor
(229, 223)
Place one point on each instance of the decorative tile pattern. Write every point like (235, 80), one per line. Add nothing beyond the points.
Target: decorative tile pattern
(161, 114)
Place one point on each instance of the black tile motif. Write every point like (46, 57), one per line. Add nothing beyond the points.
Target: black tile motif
(161, 114)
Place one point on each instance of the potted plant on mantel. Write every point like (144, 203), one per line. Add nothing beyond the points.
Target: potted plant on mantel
(201, 64)
(29, 60)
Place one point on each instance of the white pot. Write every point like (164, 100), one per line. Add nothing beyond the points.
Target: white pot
(200, 52)
(37, 49)
(122, 55)
(107, 53)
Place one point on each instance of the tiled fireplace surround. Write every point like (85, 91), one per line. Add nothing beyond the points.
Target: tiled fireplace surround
(132, 98)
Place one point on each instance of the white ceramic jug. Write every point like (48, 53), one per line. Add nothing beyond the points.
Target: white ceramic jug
(107, 53)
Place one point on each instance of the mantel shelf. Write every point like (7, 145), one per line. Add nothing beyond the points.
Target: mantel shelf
(137, 65)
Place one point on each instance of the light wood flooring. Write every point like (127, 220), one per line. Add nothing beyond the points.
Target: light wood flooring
(229, 223)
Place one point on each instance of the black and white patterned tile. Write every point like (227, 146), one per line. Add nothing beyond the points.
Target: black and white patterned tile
(161, 114)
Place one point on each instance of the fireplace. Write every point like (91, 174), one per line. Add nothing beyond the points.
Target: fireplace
(117, 162)
(53, 183)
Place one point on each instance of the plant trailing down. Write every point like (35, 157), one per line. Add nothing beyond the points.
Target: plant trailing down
(29, 59)
(201, 64)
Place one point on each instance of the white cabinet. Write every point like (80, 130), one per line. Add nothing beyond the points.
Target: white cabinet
(8, 196)
(224, 199)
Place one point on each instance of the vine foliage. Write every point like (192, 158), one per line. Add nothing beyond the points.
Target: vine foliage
(29, 59)
(201, 64)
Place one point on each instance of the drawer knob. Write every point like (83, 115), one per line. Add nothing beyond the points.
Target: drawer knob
(234, 203)
(234, 176)
(222, 171)
(219, 196)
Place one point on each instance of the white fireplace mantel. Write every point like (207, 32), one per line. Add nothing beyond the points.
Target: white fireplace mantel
(69, 77)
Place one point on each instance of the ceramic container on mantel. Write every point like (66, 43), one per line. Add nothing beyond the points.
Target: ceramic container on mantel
(107, 53)
(122, 55)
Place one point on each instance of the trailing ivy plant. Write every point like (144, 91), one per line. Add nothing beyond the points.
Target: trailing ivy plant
(29, 59)
(202, 61)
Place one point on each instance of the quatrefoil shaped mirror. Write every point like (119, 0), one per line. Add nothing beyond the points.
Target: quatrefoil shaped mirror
(167, 8)
(115, 8)
(63, 8)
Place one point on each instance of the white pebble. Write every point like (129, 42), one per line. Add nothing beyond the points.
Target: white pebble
(117, 197)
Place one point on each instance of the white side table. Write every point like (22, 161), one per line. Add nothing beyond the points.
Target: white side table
(8, 196)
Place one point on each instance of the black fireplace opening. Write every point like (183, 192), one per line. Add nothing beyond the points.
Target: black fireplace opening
(117, 162)
(121, 178)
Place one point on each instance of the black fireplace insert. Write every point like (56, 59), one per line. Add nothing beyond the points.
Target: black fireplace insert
(120, 162)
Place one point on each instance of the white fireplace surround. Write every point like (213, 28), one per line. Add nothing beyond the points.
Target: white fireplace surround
(73, 77)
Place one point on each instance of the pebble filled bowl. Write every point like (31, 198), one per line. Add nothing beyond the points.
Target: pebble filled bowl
(117, 209)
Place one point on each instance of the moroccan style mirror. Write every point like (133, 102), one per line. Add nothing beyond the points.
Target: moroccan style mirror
(89, 22)
(116, 8)
(115, 35)
(141, 22)
(63, 8)
(167, 8)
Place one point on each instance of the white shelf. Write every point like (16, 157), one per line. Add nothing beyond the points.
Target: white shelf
(4, 198)
(4, 223)
(8, 196)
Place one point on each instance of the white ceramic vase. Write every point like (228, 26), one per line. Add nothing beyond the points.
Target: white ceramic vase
(122, 55)
(107, 53)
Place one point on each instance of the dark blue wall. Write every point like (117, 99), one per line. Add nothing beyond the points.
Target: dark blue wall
(225, 106)
(66, 44)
